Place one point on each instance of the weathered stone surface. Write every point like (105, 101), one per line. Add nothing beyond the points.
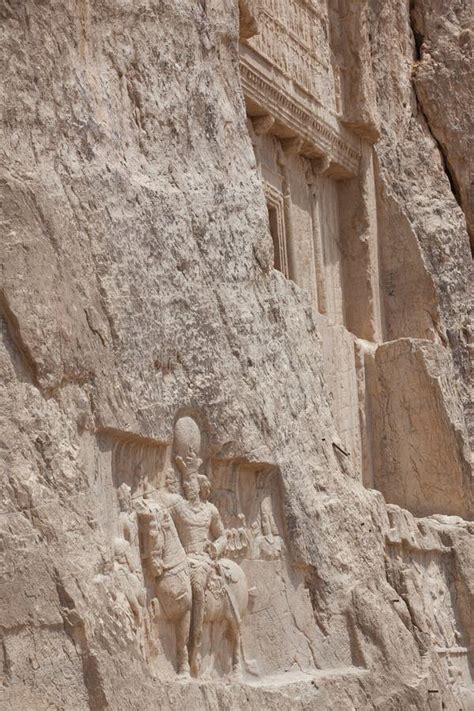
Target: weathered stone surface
(444, 45)
(148, 342)
(430, 472)
(413, 176)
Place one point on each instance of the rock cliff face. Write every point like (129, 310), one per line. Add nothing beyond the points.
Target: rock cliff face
(235, 355)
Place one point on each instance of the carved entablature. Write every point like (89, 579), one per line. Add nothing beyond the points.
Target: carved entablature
(286, 72)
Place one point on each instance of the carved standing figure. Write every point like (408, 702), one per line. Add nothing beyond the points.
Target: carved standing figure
(128, 582)
(129, 526)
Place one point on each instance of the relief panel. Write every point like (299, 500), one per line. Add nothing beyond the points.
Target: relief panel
(426, 581)
(200, 563)
(292, 36)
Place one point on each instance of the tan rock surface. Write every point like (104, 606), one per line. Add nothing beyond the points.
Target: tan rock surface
(138, 289)
(444, 43)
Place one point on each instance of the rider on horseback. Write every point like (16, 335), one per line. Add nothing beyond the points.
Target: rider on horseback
(203, 538)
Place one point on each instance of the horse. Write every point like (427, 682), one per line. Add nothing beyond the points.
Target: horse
(225, 598)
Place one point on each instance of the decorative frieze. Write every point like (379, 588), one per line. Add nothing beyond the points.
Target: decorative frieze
(294, 56)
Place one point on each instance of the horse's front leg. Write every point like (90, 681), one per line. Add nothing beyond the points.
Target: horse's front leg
(197, 620)
(182, 639)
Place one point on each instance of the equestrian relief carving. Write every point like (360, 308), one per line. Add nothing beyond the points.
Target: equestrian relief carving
(181, 545)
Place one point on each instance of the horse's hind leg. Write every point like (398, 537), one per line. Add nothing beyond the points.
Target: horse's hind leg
(233, 631)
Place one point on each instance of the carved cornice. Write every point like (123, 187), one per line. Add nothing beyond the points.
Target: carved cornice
(318, 136)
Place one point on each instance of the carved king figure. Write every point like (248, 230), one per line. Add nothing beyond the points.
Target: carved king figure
(203, 538)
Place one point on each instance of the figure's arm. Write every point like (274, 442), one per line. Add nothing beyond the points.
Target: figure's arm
(173, 503)
(189, 465)
(217, 532)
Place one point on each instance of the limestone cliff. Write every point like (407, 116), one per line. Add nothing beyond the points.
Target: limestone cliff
(287, 267)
